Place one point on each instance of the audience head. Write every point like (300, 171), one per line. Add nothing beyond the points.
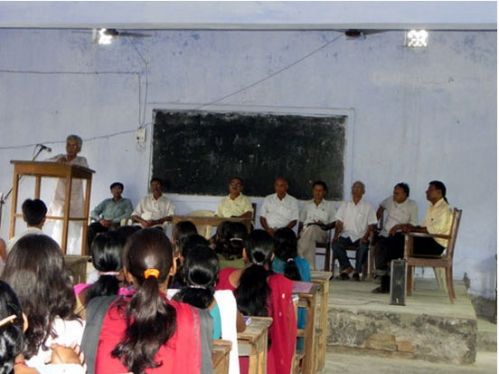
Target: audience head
(319, 190)
(34, 212)
(436, 191)
(106, 251)
(73, 145)
(35, 270)
(11, 328)
(230, 239)
(236, 186)
(181, 231)
(156, 187)
(116, 189)
(358, 190)
(199, 273)
(190, 242)
(253, 290)
(150, 318)
(400, 192)
(281, 186)
(286, 249)
(127, 231)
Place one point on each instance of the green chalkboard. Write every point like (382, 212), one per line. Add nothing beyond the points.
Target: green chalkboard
(197, 152)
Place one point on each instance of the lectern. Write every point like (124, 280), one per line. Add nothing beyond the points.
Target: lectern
(45, 169)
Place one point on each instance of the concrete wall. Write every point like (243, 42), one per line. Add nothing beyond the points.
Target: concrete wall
(415, 115)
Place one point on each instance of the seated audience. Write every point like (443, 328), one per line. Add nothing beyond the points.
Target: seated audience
(35, 270)
(181, 231)
(279, 209)
(438, 220)
(106, 252)
(316, 218)
(229, 244)
(12, 327)
(34, 213)
(286, 260)
(235, 204)
(185, 246)
(109, 213)
(155, 209)
(395, 212)
(146, 333)
(261, 292)
(355, 221)
(199, 273)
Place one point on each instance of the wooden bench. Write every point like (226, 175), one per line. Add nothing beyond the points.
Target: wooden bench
(220, 356)
(321, 279)
(253, 341)
(307, 300)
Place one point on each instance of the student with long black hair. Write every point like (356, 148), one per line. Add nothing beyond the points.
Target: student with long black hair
(199, 273)
(35, 270)
(106, 251)
(144, 332)
(286, 260)
(261, 292)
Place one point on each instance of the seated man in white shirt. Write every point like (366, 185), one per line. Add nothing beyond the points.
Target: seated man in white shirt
(279, 209)
(34, 212)
(235, 204)
(355, 221)
(316, 217)
(396, 211)
(155, 209)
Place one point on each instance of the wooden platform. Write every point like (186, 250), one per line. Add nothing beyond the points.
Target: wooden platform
(429, 327)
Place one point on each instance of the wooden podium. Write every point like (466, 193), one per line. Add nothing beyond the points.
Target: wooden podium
(45, 169)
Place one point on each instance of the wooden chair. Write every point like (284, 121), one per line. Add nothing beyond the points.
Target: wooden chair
(327, 250)
(444, 261)
(326, 245)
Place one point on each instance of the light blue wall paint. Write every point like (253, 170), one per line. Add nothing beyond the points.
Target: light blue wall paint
(419, 114)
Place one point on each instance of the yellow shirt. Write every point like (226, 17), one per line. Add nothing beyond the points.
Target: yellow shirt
(438, 220)
(234, 208)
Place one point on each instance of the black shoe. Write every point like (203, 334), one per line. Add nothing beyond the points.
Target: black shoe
(380, 290)
(356, 277)
(344, 276)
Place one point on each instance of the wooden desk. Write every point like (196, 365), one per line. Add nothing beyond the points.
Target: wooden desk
(252, 342)
(307, 300)
(321, 279)
(220, 356)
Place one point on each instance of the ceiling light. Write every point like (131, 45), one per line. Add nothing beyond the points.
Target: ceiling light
(416, 38)
(102, 36)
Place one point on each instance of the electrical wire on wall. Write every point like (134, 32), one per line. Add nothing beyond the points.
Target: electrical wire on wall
(143, 97)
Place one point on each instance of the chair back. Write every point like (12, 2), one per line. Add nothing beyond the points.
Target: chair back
(456, 219)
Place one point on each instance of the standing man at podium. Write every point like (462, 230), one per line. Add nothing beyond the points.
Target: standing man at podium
(73, 147)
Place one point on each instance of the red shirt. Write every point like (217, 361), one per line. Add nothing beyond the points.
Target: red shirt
(180, 354)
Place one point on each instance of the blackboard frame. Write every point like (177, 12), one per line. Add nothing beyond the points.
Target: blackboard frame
(166, 164)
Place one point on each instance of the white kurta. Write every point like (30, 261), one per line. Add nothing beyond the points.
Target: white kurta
(56, 207)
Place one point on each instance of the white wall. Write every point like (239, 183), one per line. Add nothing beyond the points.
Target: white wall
(417, 115)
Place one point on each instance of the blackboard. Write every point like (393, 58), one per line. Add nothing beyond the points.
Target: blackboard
(197, 152)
